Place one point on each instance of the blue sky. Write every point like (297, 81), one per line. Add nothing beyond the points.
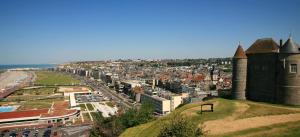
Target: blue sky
(57, 31)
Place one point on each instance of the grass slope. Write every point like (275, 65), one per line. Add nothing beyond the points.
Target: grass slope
(223, 108)
(263, 109)
(152, 129)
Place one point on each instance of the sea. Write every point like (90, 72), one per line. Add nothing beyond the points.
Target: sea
(14, 66)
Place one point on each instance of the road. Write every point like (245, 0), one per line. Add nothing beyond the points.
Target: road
(114, 96)
(97, 86)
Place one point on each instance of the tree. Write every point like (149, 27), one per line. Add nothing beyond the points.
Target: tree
(134, 117)
(145, 114)
(180, 126)
(114, 126)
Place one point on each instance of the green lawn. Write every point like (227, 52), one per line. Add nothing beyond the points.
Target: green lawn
(82, 107)
(23, 98)
(54, 78)
(86, 117)
(90, 106)
(31, 94)
(111, 104)
(36, 91)
(95, 115)
(37, 104)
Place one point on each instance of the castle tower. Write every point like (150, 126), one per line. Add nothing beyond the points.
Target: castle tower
(239, 74)
(289, 73)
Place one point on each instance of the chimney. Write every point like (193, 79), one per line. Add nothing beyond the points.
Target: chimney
(280, 43)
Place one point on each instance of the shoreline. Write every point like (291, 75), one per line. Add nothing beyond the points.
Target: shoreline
(11, 81)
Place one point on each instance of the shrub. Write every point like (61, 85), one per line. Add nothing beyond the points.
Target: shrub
(180, 126)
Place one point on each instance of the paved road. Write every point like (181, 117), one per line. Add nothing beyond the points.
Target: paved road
(97, 86)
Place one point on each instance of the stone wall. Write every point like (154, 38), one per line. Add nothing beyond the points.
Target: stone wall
(261, 77)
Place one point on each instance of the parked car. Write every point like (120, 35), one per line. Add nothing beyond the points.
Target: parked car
(13, 134)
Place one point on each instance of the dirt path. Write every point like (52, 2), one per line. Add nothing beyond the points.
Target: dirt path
(230, 124)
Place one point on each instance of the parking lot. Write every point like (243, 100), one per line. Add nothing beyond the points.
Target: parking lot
(44, 132)
(74, 131)
(88, 98)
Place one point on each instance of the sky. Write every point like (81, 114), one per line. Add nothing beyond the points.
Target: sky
(59, 31)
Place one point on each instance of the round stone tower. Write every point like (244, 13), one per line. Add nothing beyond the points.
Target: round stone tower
(239, 74)
(289, 74)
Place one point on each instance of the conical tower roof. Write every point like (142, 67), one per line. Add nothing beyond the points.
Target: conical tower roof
(240, 53)
(290, 47)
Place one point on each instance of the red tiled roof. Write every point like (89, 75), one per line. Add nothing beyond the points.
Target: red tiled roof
(61, 105)
(22, 114)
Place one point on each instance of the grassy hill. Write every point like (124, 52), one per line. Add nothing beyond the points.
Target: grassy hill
(230, 112)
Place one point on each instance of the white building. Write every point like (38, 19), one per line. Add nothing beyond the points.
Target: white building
(161, 105)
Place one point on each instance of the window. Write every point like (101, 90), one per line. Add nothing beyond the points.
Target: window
(293, 68)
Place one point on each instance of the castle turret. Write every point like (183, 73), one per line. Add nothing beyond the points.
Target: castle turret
(289, 76)
(239, 74)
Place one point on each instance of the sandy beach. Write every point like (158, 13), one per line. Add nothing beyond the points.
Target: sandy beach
(13, 80)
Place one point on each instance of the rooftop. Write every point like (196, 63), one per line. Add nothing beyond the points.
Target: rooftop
(290, 47)
(22, 114)
(265, 45)
(240, 53)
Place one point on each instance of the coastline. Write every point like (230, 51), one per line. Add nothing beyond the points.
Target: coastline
(4, 67)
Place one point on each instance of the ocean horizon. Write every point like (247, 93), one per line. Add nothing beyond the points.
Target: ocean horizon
(14, 66)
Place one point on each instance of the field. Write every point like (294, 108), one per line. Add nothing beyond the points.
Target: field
(34, 98)
(37, 104)
(54, 78)
(231, 118)
(41, 96)
(35, 91)
(34, 94)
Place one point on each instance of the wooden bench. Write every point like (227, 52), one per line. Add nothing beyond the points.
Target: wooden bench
(207, 104)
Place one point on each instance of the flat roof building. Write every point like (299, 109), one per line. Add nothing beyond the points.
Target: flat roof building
(161, 105)
(58, 113)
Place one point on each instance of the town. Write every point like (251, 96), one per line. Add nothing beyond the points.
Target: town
(79, 91)
(166, 83)
(149, 68)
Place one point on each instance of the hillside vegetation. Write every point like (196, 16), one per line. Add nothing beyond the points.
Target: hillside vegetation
(230, 112)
